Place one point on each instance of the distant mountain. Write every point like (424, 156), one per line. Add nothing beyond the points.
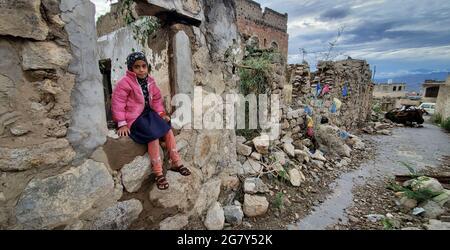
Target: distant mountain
(414, 81)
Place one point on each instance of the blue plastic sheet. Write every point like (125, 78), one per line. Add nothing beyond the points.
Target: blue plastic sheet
(345, 90)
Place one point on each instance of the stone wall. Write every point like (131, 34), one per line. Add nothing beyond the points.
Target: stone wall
(111, 21)
(117, 45)
(270, 27)
(443, 100)
(356, 107)
(52, 116)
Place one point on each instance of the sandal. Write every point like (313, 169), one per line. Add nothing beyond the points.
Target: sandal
(184, 171)
(161, 182)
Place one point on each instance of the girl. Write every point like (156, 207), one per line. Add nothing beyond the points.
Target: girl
(138, 109)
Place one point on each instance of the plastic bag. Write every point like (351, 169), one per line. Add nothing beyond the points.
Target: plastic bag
(333, 108)
(318, 89)
(325, 90)
(338, 103)
(345, 90)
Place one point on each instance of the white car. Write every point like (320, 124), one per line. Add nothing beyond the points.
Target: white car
(429, 107)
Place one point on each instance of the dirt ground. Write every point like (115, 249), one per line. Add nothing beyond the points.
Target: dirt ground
(296, 202)
(375, 198)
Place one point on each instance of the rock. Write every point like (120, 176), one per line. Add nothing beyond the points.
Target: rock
(2, 197)
(302, 155)
(250, 167)
(427, 183)
(209, 193)
(343, 163)
(306, 142)
(22, 18)
(54, 153)
(247, 224)
(19, 130)
(328, 138)
(176, 222)
(441, 199)
(353, 219)
(296, 177)
(230, 182)
(280, 157)
(407, 203)
(53, 201)
(233, 214)
(117, 217)
(375, 217)
(432, 209)
(384, 132)
(381, 126)
(287, 138)
(254, 186)
(262, 143)
(317, 164)
(78, 225)
(256, 156)
(182, 192)
(243, 149)
(255, 205)
(289, 149)
(85, 133)
(44, 55)
(135, 173)
(181, 144)
(295, 113)
(184, 74)
(445, 218)
(437, 225)
(318, 155)
(240, 139)
(411, 228)
(215, 217)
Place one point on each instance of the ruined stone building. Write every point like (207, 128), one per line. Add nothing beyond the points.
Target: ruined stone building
(443, 100)
(61, 164)
(268, 27)
(430, 90)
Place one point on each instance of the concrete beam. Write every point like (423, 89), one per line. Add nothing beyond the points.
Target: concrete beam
(188, 12)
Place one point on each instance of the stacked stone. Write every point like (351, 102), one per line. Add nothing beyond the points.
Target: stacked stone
(356, 75)
(300, 79)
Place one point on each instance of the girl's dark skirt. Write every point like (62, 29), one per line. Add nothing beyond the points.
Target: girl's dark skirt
(148, 127)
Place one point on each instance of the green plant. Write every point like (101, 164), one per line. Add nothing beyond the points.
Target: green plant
(420, 195)
(279, 200)
(436, 118)
(142, 28)
(387, 224)
(255, 71)
(412, 171)
(377, 108)
(445, 124)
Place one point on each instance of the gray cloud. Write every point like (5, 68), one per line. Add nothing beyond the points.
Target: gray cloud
(335, 13)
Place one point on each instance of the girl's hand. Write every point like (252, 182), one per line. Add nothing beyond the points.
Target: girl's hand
(166, 118)
(123, 131)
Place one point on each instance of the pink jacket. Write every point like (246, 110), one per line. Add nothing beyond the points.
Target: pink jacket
(128, 100)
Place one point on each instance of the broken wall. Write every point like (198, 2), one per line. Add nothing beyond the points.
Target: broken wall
(443, 100)
(52, 116)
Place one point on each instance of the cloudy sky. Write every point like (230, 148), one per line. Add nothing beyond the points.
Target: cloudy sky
(398, 36)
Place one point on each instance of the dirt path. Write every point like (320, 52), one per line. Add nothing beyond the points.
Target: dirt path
(418, 147)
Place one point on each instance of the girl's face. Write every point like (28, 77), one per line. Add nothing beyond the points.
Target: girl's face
(140, 68)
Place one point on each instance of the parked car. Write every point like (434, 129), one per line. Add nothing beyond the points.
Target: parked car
(429, 107)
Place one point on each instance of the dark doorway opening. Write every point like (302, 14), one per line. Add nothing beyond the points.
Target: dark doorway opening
(105, 69)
